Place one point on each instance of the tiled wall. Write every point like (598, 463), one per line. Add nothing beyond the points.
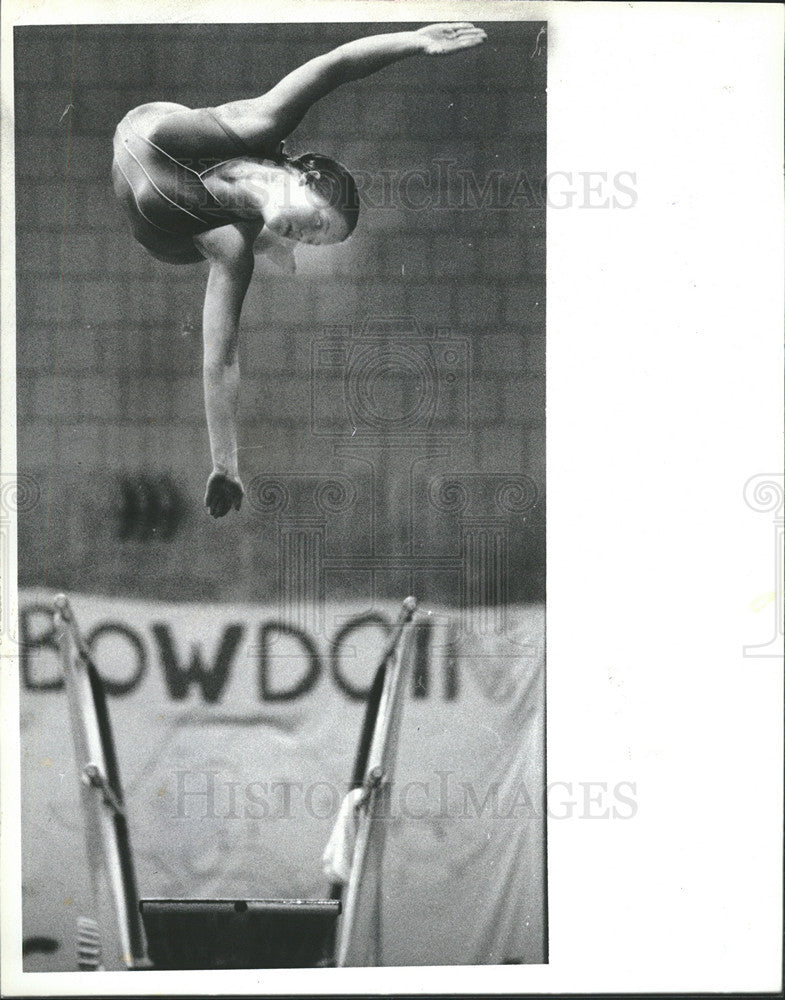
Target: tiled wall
(108, 339)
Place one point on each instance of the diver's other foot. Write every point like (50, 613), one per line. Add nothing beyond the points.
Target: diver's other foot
(224, 492)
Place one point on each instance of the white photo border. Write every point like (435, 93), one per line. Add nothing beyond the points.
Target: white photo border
(664, 401)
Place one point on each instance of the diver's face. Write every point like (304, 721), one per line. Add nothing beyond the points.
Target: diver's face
(305, 216)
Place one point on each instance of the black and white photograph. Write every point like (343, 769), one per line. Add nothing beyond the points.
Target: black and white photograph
(281, 414)
(391, 498)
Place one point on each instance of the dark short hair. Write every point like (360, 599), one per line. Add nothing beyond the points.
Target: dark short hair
(334, 183)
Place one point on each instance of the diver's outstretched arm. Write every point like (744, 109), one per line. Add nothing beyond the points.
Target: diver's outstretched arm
(278, 112)
(229, 251)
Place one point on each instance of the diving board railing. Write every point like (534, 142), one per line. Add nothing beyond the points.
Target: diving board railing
(360, 929)
(223, 933)
(109, 856)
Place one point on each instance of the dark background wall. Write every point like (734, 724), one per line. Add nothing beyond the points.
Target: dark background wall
(414, 463)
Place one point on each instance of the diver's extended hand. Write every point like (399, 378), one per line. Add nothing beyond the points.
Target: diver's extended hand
(223, 493)
(441, 39)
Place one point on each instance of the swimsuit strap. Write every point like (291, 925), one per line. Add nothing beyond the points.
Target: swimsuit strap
(278, 157)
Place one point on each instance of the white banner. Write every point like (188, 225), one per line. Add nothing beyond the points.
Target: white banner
(236, 733)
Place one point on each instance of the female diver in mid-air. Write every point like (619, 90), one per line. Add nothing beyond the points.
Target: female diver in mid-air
(215, 184)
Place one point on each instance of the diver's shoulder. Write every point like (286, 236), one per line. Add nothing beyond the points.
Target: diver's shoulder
(145, 116)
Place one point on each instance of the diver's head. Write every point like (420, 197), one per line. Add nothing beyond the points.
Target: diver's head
(321, 206)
